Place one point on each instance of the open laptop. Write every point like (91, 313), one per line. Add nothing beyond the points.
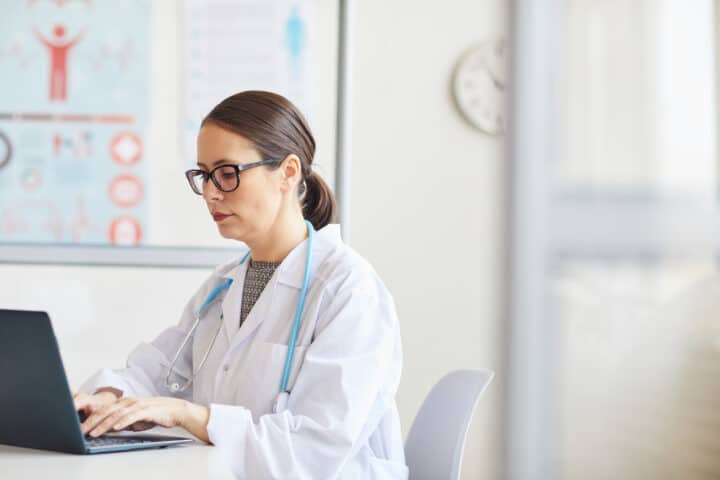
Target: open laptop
(36, 405)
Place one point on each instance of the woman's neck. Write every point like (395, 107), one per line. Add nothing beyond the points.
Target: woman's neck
(280, 240)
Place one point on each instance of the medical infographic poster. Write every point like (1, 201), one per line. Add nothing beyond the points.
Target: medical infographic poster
(73, 115)
(244, 45)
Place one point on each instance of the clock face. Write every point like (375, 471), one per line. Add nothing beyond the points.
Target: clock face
(480, 86)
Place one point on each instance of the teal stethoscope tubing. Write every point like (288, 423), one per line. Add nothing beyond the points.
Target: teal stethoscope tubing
(175, 387)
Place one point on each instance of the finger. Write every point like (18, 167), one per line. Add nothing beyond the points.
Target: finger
(98, 415)
(93, 420)
(89, 403)
(81, 401)
(142, 416)
(131, 419)
(111, 419)
(103, 413)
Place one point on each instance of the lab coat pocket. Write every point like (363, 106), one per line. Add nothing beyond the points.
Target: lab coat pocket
(260, 373)
(278, 353)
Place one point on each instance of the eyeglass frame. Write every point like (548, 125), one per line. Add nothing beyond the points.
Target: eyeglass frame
(189, 174)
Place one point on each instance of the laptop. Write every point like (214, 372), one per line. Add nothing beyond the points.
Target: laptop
(36, 405)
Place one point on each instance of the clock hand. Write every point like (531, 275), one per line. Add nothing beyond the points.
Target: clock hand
(498, 84)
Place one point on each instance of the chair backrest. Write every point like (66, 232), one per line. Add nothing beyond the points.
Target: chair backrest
(435, 443)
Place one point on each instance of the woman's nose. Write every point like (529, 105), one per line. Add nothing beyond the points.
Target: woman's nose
(211, 192)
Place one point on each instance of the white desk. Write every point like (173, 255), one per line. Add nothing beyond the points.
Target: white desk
(193, 461)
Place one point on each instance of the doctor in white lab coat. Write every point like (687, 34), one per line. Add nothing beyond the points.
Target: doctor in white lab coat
(339, 419)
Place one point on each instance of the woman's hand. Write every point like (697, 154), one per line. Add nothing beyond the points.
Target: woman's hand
(142, 413)
(89, 404)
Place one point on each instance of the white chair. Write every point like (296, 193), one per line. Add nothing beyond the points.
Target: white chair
(435, 443)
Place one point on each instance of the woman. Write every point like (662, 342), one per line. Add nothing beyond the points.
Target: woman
(334, 416)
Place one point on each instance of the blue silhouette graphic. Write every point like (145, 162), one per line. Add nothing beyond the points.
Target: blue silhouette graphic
(295, 42)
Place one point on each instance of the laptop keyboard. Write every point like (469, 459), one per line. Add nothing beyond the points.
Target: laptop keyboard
(109, 441)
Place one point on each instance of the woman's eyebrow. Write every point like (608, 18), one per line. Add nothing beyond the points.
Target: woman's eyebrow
(216, 162)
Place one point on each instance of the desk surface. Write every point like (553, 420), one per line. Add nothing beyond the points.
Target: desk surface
(193, 461)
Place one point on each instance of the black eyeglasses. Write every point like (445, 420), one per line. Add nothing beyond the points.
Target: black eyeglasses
(225, 177)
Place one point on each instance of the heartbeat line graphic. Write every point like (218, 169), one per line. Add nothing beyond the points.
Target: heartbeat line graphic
(119, 56)
(60, 3)
(18, 52)
(66, 117)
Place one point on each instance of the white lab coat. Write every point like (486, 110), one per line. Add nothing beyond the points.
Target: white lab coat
(341, 419)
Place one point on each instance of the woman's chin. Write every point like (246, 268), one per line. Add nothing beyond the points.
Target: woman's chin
(225, 232)
(229, 232)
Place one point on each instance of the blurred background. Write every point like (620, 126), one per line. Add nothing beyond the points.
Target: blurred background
(612, 333)
(535, 181)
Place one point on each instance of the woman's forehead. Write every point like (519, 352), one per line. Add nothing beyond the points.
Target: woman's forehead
(216, 143)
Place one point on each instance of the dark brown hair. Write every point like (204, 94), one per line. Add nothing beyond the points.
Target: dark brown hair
(278, 129)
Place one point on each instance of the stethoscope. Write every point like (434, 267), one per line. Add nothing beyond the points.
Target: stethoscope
(282, 398)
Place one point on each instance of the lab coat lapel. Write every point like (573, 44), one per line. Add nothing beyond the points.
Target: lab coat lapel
(293, 267)
(289, 273)
(258, 313)
(292, 271)
(232, 303)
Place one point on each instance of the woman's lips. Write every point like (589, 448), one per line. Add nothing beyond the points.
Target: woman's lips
(219, 217)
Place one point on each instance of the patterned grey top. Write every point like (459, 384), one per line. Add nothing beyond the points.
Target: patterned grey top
(257, 276)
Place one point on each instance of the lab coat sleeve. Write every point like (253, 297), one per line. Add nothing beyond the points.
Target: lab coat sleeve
(346, 383)
(147, 364)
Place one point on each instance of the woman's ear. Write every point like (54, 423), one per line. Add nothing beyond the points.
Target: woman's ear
(291, 172)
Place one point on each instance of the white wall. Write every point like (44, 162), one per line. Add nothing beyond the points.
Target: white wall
(427, 211)
(427, 200)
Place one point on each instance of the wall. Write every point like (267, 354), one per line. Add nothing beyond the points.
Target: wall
(427, 198)
(427, 211)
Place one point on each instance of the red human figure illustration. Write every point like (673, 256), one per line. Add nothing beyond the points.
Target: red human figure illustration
(57, 144)
(59, 50)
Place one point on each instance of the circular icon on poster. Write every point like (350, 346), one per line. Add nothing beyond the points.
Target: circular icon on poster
(31, 179)
(125, 231)
(5, 150)
(126, 148)
(125, 191)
